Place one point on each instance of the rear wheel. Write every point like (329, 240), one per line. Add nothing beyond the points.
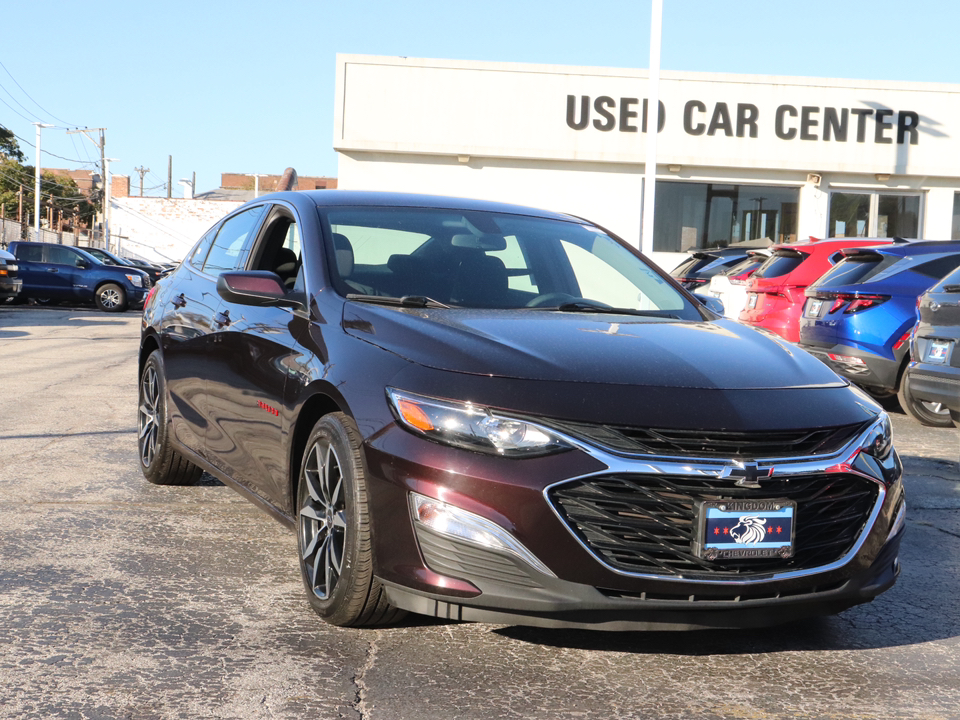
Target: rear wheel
(926, 413)
(334, 530)
(111, 298)
(159, 462)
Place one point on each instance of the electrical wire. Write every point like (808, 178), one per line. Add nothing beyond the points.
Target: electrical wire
(31, 99)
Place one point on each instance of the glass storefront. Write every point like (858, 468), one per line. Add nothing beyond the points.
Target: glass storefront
(710, 215)
(882, 215)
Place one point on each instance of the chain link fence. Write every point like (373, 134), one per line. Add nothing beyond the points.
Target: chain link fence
(10, 231)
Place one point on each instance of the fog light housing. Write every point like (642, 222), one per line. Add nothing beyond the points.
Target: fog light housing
(454, 522)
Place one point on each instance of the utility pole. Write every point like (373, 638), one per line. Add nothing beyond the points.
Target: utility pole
(36, 186)
(103, 169)
(141, 171)
(169, 176)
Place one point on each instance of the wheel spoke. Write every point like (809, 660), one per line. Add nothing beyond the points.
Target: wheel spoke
(340, 519)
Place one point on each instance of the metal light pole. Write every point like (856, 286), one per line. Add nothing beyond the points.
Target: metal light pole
(653, 124)
(106, 200)
(36, 184)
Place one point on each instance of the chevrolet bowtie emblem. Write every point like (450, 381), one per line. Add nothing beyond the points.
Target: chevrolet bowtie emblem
(748, 474)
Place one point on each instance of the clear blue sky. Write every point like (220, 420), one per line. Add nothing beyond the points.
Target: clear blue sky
(244, 86)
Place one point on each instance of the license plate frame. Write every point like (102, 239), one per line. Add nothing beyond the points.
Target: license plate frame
(814, 305)
(938, 352)
(745, 529)
(752, 300)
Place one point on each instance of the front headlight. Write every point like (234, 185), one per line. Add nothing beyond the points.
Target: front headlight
(472, 427)
(878, 443)
(135, 280)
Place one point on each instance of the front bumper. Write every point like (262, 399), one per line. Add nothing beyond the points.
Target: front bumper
(435, 574)
(10, 288)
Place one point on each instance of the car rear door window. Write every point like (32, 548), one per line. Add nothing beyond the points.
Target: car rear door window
(30, 253)
(230, 249)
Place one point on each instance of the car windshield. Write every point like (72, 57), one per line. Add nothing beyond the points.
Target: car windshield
(492, 260)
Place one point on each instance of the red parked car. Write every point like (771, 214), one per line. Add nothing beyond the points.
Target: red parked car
(775, 292)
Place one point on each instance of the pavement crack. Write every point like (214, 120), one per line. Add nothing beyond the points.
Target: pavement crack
(935, 527)
(360, 679)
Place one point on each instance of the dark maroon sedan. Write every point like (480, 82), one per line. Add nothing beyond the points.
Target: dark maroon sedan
(487, 412)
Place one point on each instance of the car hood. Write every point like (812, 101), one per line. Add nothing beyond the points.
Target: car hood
(588, 348)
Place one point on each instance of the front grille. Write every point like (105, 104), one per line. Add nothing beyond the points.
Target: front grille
(646, 523)
(717, 443)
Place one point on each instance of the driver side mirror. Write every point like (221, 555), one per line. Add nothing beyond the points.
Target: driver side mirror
(259, 288)
(714, 304)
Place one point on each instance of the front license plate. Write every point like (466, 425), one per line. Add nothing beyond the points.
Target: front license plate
(937, 351)
(752, 300)
(813, 307)
(742, 529)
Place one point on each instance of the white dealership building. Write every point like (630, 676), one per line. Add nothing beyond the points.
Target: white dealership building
(739, 157)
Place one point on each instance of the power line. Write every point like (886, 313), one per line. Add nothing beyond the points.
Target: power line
(46, 152)
(31, 99)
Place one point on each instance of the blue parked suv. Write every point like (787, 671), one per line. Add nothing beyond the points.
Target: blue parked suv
(858, 316)
(65, 273)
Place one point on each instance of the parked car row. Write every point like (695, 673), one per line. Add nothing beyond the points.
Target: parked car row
(852, 303)
(47, 272)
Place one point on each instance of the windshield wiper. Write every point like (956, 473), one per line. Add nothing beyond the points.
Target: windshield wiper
(420, 301)
(587, 306)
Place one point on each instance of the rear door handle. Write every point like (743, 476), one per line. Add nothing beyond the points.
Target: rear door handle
(222, 318)
(179, 301)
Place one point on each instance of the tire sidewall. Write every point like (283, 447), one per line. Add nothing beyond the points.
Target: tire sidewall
(154, 362)
(120, 306)
(340, 432)
(917, 410)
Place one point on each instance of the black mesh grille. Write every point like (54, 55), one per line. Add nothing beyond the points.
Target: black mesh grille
(714, 443)
(646, 523)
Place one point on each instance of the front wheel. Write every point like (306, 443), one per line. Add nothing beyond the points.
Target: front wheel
(927, 413)
(111, 298)
(334, 529)
(159, 462)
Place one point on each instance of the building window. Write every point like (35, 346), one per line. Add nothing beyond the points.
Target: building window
(711, 215)
(880, 215)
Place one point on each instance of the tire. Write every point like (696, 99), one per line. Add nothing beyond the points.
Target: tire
(159, 462)
(333, 529)
(926, 413)
(110, 297)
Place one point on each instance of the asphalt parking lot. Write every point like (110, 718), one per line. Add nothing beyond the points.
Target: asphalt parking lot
(119, 599)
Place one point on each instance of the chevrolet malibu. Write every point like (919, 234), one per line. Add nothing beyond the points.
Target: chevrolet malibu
(485, 412)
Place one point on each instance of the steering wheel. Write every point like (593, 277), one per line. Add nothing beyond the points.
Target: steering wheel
(554, 298)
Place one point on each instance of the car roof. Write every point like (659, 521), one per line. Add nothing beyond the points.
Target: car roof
(368, 198)
(919, 247)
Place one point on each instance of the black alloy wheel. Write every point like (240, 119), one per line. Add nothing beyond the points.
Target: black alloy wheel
(927, 413)
(159, 462)
(333, 529)
(110, 297)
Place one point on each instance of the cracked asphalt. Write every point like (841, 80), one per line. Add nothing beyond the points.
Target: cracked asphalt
(119, 599)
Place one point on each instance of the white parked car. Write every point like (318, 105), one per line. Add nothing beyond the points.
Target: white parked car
(730, 286)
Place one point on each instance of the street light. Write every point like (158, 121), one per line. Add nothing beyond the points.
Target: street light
(36, 184)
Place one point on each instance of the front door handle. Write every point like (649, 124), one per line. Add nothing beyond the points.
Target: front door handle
(222, 319)
(53, 270)
(179, 301)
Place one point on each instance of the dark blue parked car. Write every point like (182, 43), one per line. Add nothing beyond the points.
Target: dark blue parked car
(70, 274)
(858, 316)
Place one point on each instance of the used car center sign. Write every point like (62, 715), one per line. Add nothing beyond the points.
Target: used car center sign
(459, 108)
